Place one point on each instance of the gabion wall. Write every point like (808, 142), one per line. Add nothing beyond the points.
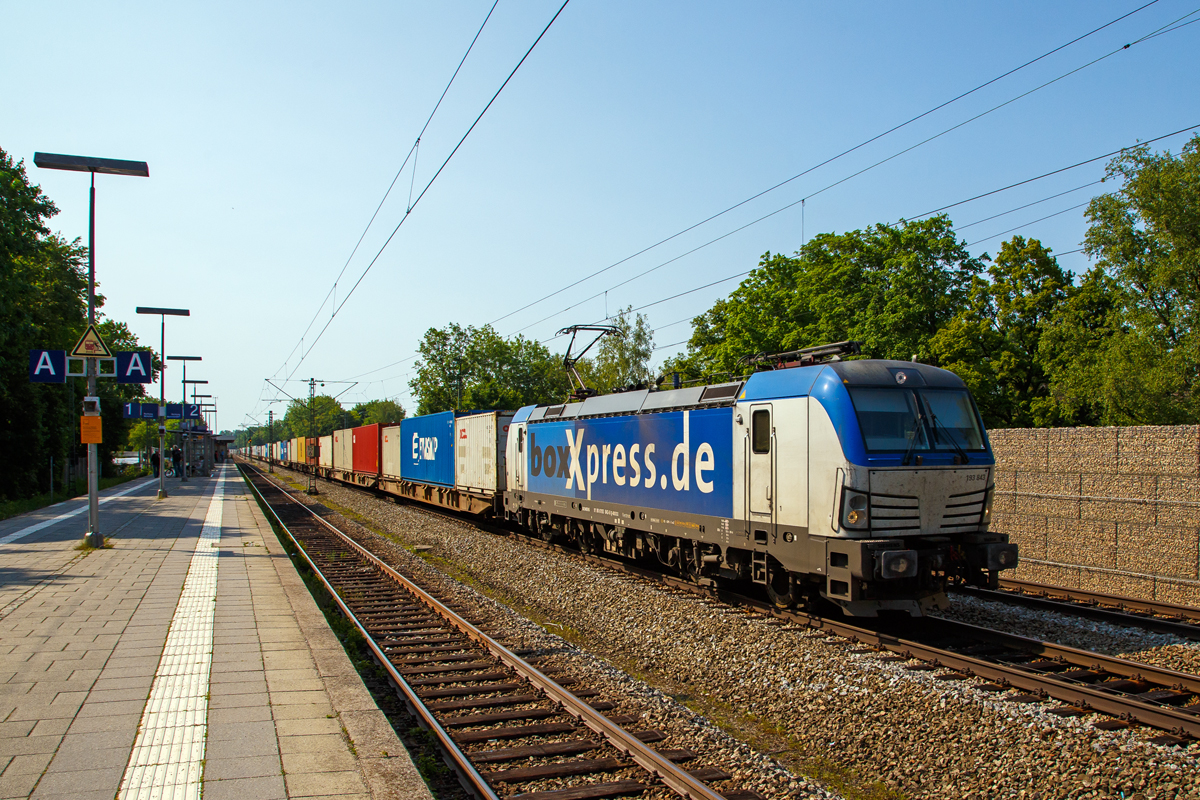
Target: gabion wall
(1113, 510)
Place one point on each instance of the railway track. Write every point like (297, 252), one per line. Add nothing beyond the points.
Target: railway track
(1027, 670)
(1182, 621)
(1019, 669)
(506, 727)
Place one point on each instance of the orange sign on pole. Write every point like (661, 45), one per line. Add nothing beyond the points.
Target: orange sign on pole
(90, 430)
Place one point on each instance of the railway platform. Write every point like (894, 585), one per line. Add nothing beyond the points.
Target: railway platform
(187, 658)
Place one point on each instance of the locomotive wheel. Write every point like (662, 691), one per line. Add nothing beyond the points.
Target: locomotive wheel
(583, 537)
(781, 588)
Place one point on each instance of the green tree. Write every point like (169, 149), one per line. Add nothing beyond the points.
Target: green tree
(323, 417)
(476, 368)
(622, 358)
(142, 436)
(378, 411)
(891, 287)
(994, 342)
(1128, 349)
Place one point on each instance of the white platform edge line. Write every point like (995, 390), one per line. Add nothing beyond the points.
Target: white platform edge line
(177, 709)
(21, 534)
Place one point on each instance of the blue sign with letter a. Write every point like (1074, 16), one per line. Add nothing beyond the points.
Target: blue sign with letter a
(48, 366)
(134, 367)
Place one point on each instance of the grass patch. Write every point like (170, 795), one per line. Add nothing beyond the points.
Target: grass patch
(86, 547)
(11, 508)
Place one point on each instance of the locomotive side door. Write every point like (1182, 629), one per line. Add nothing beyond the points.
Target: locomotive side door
(516, 458)
(760, 477)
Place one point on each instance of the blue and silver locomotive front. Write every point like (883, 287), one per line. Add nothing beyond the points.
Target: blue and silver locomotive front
(900, 485)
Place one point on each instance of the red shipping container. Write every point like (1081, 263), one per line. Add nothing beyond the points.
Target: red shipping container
(365, 448)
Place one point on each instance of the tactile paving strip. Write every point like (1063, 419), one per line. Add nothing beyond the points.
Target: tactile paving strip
(168, 754)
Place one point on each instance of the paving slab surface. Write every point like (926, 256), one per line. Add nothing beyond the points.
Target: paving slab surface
(187, 660)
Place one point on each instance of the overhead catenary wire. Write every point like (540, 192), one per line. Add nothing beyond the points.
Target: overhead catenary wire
(960, 228)
(426, 188)
(836, 157)
(411, 153)
(1170, 27)
(747, 272)
(1027, 224)
(797, 202)
(801, 202)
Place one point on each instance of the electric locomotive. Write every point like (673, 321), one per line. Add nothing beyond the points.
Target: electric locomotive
(868, 483)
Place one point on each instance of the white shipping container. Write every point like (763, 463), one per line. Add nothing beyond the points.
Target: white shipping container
(480, 441)
(296, 451)
(343, 453)
(326, 458)
(391, 452)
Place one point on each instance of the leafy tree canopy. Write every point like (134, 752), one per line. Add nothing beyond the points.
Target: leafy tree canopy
(622, 358)
(476, 368)
(378, 411)
(319, 417)
(890, 287)
(1135, 337)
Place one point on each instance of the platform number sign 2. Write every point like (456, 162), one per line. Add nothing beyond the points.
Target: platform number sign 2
(191, 411)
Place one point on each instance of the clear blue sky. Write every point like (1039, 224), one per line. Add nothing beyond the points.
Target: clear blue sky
(273, 129)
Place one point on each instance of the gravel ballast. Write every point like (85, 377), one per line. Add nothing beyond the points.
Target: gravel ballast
(850, 718)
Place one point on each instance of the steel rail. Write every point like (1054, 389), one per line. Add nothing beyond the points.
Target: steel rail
(469, 777)
(1098, 613)
(1164, 718)
(671, 775)
(1169, 618)
(1134, 670)
(1085, 697)
(1124, 603)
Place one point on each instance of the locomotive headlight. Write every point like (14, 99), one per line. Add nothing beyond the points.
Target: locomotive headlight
(897, 563)
(987, 505)
(854, 505)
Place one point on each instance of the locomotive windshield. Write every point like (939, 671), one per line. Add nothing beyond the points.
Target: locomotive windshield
(909, 420)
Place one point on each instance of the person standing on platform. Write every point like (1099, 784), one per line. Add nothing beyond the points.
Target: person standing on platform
(177, 461)
(154, 459)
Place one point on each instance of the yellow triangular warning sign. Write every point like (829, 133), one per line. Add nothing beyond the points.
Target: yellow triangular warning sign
(90, 345)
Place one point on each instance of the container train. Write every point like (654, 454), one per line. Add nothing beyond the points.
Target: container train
(865, 483)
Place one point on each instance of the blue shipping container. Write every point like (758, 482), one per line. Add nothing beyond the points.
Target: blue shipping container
(427, 449)
(283, 450)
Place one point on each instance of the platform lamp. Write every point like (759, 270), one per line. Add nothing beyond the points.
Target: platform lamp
(162, 389)
(105, 166)
(183, 400)
(190, 443)
(204, 407)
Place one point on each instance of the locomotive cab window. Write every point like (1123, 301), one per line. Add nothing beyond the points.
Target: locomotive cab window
(760, 431)
(920, 419)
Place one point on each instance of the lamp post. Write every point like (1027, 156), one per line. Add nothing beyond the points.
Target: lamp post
(183, 406)
(189, 430)
(162, 389)
(105, 166)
